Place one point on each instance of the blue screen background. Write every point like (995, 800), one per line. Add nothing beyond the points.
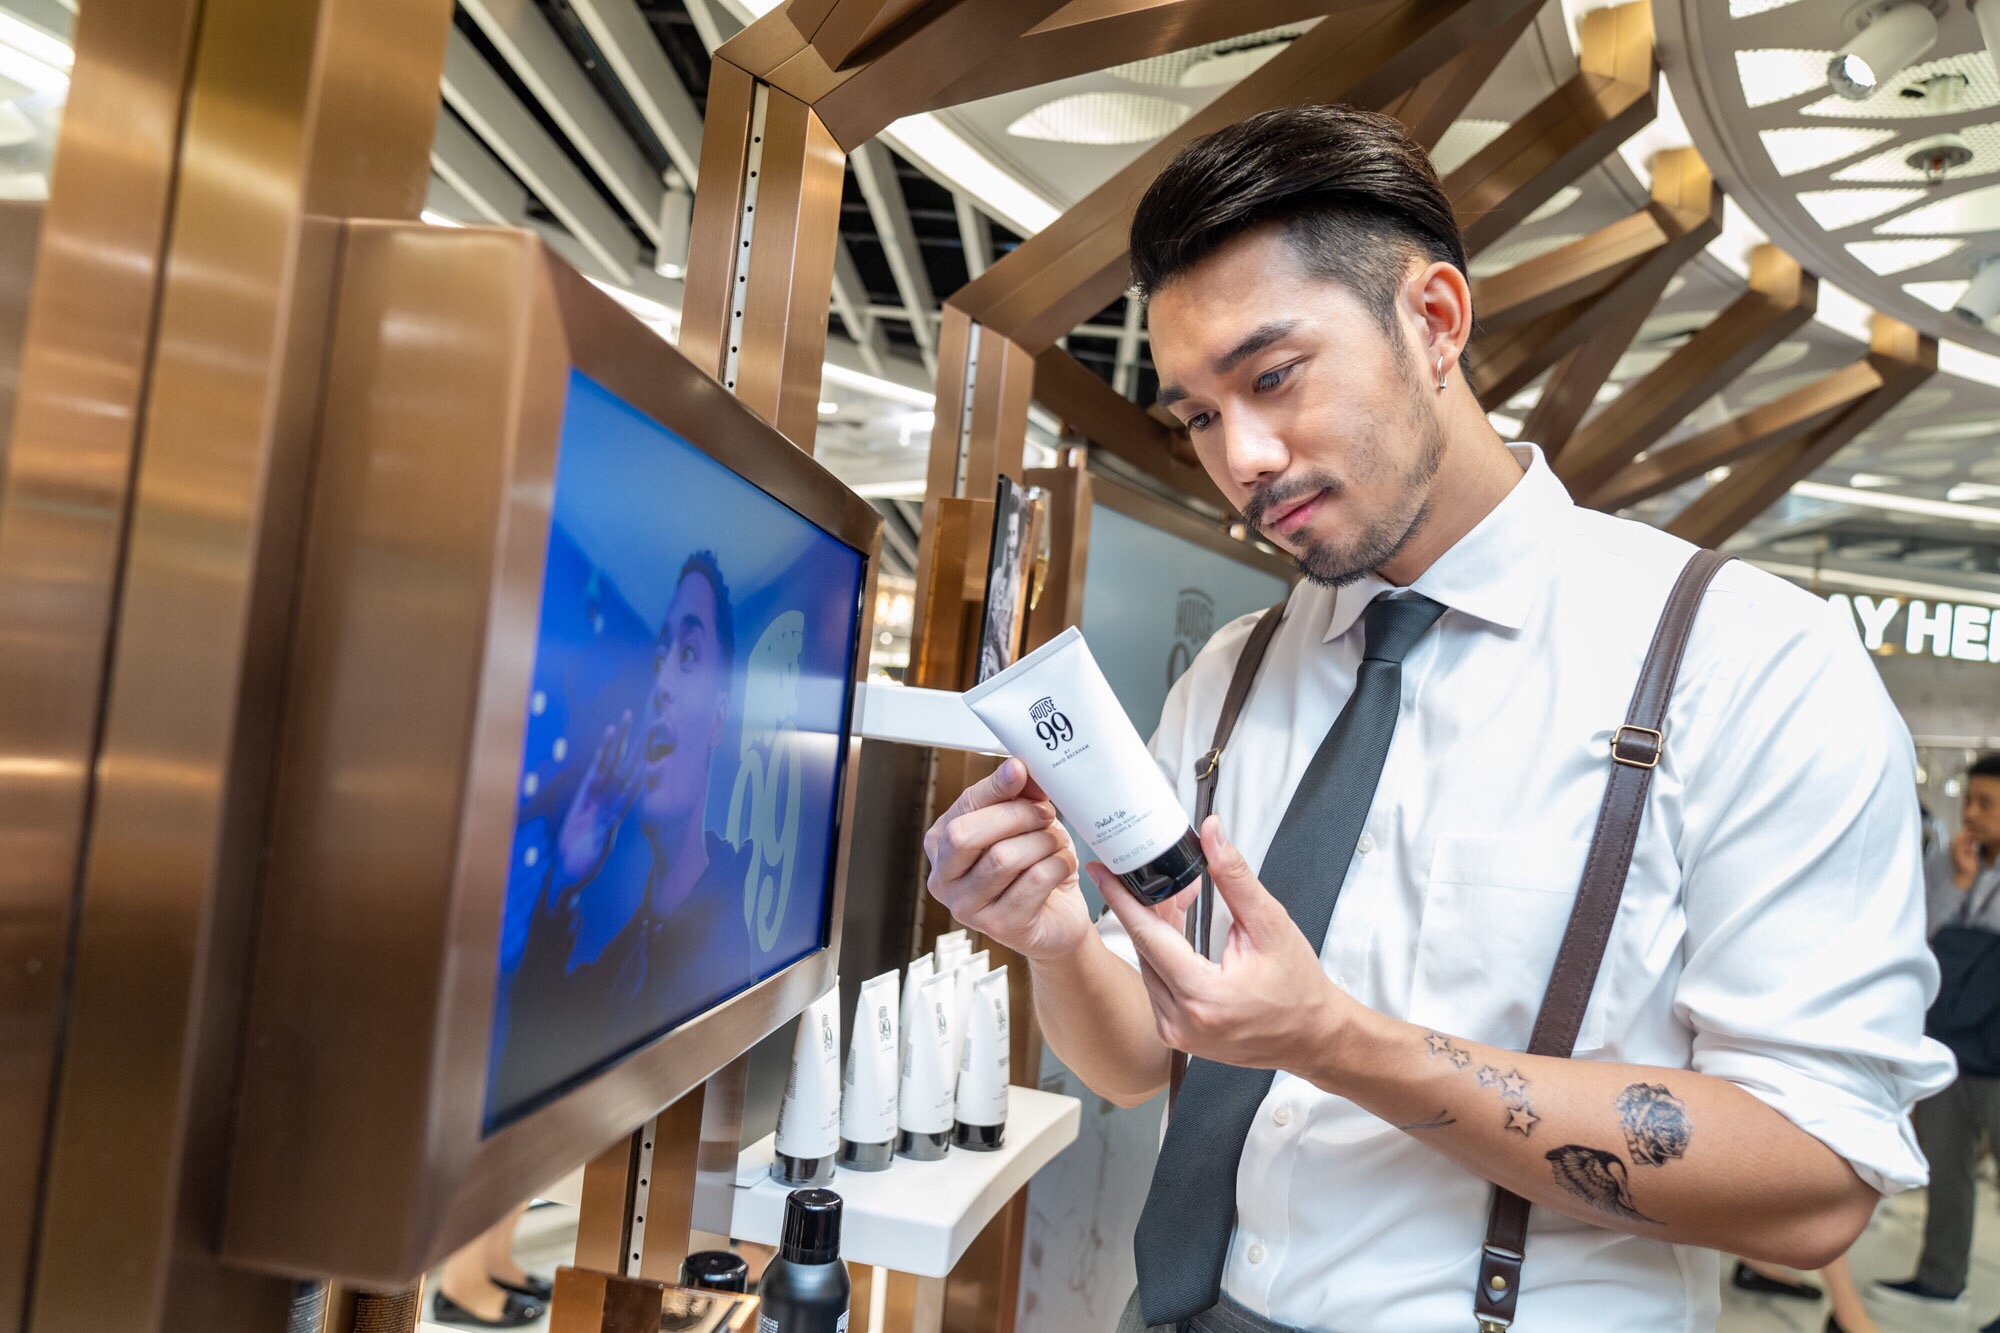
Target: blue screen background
(632, 502)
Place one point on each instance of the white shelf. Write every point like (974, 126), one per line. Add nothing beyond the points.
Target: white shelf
(886, 711)
(918, 1217)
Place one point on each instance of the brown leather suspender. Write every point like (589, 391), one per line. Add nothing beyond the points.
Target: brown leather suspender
(1636, 748)
(1202, 913)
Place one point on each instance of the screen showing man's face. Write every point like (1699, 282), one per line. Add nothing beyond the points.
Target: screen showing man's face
(684, 707)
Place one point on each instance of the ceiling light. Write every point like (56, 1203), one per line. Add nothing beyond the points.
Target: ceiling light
(1981, 299)
(949, 156)
(1972, 490)
(437, 219)
(1869, 480)
(1945, 86)
(1988, 17)
(828, 409)
(1907, 504)
(1890, 38)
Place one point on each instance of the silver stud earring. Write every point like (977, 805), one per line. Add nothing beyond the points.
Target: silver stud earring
(1440, 371)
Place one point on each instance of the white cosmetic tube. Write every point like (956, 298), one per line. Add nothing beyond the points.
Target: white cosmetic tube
(915, 975)
(952, 950)
(968, 973)
(924, 1102)
(868, 1093)
(809, 1117)
(1055, 712)
(981, 1118)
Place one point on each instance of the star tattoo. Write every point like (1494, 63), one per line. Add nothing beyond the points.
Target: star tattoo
(1461, 1057)
(1514, 1087)
(1488, 1076)
(1439, 1043)
(1521, 1120)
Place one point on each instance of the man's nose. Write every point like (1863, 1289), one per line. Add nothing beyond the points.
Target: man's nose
(1252, 450)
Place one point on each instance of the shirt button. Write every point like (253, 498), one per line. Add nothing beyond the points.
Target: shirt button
(1282, 1116)
(1366, 845)
(1256, 1254)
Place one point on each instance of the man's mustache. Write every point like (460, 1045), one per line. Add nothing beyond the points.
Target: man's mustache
(1280, 496)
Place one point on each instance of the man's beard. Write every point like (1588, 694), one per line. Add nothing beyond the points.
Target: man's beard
(1336, 564)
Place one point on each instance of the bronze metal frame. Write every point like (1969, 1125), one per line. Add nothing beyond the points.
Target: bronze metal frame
(419, 588)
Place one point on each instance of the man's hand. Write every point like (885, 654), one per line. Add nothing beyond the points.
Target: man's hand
(601, 800)
(1267, 1005)
(1964, 860)
(1004, 865)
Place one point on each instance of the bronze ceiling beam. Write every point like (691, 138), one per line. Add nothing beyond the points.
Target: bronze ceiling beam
(1120, 427)
(1085, 36)
(1567, 133)
(1902, 356)
(1780, 299)
(1428, 109)
(1574, 383)
(927, 51)
(1797, 413)
(1079, 264)
(1603, 276)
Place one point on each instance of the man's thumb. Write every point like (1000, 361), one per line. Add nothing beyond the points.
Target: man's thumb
(1249, 902)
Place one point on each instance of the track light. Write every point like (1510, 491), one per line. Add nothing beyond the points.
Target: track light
(1980, 301)
(1887, 37)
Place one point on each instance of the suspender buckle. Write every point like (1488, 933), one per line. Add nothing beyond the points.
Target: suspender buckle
(1638, 747)
(1209, 763)
(1494, 1325)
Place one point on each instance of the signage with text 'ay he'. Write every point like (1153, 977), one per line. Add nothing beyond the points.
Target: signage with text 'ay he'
(1943, 629)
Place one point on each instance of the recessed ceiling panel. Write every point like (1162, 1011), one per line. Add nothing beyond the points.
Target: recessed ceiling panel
(1797, 148)
(1558, 201)
(1937, 295)
(1835, 209)
(1778, 74)
(1461, 140)
(1886, 257)
(1503, 257)
(1966, 214)
(1101, 118)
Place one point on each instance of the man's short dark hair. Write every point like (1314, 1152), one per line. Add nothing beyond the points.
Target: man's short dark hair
(1358, 199)
(1986, 766)
(704, 564)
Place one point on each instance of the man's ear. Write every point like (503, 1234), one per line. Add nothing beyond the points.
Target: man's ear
(1441, 307)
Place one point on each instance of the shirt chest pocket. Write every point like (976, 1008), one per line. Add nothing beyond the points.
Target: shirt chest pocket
(1493, 919)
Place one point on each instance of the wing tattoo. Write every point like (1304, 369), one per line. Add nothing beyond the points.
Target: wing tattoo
(1599, 1179)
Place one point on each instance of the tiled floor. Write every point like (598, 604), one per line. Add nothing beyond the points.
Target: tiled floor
(1888, 1249)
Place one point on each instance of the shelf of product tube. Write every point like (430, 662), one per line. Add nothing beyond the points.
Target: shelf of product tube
(917, 1217)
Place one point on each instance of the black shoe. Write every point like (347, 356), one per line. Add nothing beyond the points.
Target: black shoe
(518, 1312)
(1749, 1279)
(1910, 1289)
(538, 1289)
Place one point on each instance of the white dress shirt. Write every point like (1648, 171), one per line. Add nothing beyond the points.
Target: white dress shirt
(1772, 931)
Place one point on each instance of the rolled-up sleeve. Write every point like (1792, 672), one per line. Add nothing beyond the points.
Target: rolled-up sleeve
(1807, 971)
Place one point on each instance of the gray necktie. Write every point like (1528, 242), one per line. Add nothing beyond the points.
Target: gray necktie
(1183, 1236)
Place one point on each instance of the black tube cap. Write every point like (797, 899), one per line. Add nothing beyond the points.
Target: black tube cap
(978, 1138)
(867, 1156)
(812, 1227)
(715, 1270)
(789, 1170)
(1169, 872)
(921, 1146)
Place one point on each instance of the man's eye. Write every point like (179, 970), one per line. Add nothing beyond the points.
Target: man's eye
(1271, 379)
(688, 655)
(1200, 421)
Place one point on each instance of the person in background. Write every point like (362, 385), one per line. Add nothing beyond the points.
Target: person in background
(481, 1286)
(1964, 891)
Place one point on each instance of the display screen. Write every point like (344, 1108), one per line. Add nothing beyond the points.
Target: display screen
(679, 788)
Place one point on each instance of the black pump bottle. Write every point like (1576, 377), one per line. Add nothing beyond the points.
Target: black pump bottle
(805, 1289)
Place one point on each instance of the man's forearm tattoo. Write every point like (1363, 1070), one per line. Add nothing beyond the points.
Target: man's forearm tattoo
(1438, 1121)
(1655, 1123)
(1512, 1087)
(1599, 1179)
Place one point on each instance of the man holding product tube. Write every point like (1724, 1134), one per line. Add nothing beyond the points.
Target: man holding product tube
(1424, 755)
